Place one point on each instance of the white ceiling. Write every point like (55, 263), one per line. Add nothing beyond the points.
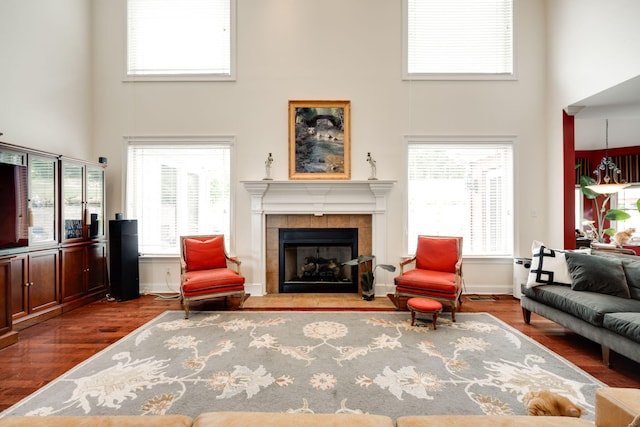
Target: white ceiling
(619, 104)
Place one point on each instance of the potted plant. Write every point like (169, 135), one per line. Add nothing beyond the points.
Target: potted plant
(367, 277)
(602, 213)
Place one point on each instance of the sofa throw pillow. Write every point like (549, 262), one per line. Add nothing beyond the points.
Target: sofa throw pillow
(632, 273)
(597, 274)
(547, 266)
(205, 254)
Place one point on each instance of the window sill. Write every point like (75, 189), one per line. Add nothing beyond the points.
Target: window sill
(180, 78)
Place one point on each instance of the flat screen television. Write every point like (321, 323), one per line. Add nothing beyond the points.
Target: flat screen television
(14, 221)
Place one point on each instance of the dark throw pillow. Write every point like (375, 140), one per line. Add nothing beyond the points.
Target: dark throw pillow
(632, 272)
(597, 274)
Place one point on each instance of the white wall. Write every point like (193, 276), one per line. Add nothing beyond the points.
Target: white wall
(291, 49)
(67, 53)
(45, 75)
(593, 45)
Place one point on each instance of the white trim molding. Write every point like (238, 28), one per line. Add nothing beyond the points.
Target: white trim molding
(315, 198)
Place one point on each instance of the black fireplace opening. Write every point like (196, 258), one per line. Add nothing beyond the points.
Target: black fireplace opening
(310, 260)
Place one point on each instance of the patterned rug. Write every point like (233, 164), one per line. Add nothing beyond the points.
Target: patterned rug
(321, 362)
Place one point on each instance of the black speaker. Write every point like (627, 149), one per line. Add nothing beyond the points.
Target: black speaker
(93, 226)
(123, 257)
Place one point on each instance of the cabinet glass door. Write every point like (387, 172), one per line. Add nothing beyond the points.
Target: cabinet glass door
(95, 200)
(42, 200)
(72, 203)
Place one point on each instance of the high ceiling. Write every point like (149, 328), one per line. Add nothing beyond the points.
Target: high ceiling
(619, 104)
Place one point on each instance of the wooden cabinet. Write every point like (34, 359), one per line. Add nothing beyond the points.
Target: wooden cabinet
(5, 294)
(82, 212)
(43, 201)
(83, 270)
(72, 212)
(43, 280)
(74, 269)
(20, 286)
(35, 276)
(64, 264)
(94, 197)
(7, 335)
(35, 287)
(83, 249)
(97, 267)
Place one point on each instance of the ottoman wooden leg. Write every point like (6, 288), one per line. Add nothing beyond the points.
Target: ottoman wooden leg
(435, 319)
(413, 317)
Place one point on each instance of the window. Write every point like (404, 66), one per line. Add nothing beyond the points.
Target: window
(178, 187)
(626, 200)
(579, 209)
(180, 39)
(462, 187)
(458, 39)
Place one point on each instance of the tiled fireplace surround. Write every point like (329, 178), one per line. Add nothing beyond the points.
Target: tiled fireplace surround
(314, 204)
(275, 222)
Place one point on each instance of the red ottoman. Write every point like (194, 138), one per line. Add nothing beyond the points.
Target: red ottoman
(424, 306)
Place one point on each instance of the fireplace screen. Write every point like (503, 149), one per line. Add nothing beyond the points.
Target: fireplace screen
(310, 259)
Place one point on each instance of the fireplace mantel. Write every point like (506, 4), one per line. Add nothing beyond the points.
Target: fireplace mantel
(318, 198)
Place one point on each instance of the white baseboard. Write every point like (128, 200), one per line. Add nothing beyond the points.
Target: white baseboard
(384, 289)
(488, 289)
(256, 289)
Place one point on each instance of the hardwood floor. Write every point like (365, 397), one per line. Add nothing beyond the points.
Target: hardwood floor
(47, 350)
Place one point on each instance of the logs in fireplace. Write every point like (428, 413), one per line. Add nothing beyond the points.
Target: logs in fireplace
(310, 260)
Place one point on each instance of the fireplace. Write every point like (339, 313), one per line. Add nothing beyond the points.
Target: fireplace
(310, 260)
(312, 204)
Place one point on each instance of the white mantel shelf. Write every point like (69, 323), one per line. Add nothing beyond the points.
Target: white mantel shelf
(317, 197)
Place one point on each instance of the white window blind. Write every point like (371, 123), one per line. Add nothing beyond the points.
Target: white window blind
(180, 37)
(458, 189)
(463, 37)
(177, 189)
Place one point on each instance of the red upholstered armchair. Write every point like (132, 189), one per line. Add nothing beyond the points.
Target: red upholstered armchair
(437, 273)
(204, 273)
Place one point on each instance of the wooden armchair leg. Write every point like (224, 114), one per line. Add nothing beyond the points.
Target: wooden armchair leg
(242, 297)
(185, 305)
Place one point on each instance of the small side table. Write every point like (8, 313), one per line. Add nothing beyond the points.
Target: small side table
(424, 306)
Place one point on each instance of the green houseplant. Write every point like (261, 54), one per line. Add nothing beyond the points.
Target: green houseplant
(601, 202)
(367, 278)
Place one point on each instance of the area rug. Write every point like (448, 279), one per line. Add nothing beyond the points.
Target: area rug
(316, 362)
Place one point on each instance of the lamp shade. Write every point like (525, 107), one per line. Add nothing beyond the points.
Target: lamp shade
(607, 188)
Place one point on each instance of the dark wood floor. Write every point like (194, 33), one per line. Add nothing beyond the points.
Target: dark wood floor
(47, 350)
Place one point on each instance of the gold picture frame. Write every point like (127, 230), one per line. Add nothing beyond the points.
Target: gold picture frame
(319, 139)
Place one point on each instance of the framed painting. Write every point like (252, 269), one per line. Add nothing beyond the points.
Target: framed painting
(319, 140)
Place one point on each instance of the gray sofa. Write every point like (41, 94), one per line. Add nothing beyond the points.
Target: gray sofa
(602, 303)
